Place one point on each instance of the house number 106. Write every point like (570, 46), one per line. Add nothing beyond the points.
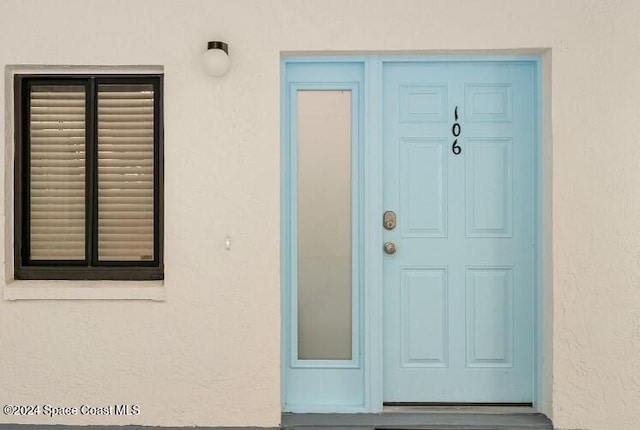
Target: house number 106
(455, 130)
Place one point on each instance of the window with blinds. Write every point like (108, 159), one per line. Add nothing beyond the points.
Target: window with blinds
(88, 177)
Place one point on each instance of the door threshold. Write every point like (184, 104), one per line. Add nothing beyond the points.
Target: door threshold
(495, 408)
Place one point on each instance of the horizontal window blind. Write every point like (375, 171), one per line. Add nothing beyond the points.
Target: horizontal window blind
(125, 172)
(57, 172)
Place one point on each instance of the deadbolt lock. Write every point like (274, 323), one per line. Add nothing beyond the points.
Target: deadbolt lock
(389, 220)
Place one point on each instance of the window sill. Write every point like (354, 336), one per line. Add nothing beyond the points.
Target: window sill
(84, 290)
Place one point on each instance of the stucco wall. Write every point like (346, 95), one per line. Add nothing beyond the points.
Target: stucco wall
(209, 354)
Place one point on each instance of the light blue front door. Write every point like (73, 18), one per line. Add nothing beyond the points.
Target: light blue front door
(458, 143)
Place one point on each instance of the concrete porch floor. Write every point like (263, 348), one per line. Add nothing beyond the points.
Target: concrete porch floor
(425, 418)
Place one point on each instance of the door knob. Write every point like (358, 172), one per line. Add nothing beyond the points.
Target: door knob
(390, 248)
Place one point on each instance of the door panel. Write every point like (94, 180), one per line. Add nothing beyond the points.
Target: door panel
(423, 295)
(488, 188)
(423, 184)
(458, 293)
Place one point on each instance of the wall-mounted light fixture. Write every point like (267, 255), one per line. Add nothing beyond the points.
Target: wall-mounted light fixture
(216, 58)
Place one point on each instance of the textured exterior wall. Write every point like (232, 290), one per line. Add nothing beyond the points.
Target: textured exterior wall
(209, 354)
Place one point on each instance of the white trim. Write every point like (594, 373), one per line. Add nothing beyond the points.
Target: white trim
(85, 290)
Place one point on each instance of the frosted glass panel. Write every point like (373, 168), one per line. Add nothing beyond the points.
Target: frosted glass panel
(324, 225)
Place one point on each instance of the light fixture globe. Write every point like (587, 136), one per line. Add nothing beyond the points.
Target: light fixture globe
(216, 58)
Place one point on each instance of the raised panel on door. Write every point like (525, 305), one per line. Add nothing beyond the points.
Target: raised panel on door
(423, 306)
(423, 185)
(489, 317)
(488, 188)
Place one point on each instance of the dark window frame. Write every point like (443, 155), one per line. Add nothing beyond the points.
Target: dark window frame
(90, 268)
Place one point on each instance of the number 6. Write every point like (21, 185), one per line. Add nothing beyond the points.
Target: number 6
(455, 148)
